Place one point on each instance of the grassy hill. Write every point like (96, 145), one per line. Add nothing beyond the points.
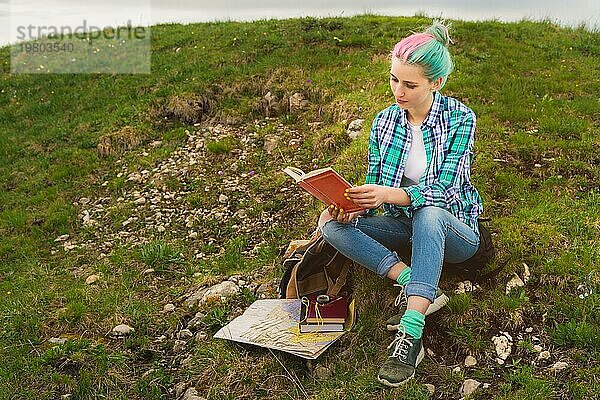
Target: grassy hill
(79, 152)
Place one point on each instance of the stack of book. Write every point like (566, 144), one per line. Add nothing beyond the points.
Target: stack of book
(329, 316)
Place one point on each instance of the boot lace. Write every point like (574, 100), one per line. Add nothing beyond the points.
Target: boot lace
(401, 345)
(401, 299)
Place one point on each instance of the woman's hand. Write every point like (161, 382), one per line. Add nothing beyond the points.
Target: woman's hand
(372, 196)
(341, 216)
(368, 196)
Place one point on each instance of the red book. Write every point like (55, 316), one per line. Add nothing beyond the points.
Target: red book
(335, 311)
(326, 185)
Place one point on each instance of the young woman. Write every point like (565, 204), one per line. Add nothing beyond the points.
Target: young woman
(420, 154)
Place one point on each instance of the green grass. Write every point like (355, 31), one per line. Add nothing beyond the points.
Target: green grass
(534, 88)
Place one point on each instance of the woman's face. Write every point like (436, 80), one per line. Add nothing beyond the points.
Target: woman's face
(411, 88)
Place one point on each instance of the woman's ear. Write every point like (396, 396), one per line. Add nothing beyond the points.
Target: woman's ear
(435, 85)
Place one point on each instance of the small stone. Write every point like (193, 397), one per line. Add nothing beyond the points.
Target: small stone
(161, 229)
(503, 344)
(321, 373)
(558, 366)
(92, 279)
(179, 346)
(464, 287)
(139, 201)
(470, 361)
(297, 102)
(354, 128)
(526, 273)
(185, 334)
(193, 234)
(122, 330)
(468, 387)
(223, 198)
(514, 282)
(200, 337)
(57, 341)
(197, 321)
(537, 348)
(271, 142)
(168, 308)
(61, 238)
(180, 389)
(544, 355)
(430, 388)
(456, 370)
(529, 330)
(486, 385)
(191, 394)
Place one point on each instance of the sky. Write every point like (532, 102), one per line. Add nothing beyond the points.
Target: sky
(74, 13)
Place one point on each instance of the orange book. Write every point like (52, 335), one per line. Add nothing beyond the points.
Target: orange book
(326, 185)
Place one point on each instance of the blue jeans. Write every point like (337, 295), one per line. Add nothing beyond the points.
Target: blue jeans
(436, 236)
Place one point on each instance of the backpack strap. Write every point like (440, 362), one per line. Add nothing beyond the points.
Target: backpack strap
(333, 288)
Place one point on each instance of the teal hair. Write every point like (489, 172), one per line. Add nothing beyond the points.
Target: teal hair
(433, 55)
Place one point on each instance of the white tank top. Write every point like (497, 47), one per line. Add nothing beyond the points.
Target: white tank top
(416, 163)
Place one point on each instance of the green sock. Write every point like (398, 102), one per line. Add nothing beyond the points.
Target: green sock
(413, 323)
(404, 276)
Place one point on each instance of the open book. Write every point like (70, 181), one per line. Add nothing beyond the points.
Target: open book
(326, 185)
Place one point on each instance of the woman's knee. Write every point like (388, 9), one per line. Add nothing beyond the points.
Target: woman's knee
(430, 215)
(324, 218)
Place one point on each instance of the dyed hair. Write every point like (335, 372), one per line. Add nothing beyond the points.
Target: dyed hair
(429, 50)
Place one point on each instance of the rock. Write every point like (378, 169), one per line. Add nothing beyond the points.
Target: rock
(179, 346)
(464, 287)
(270, 143)
(168, 308)
(185, 334)
(558, 366)
(354, 128)
(191, 394)
(430, 388)
(57, 341)
(514, 282)
(223, 198)
(321, 373)
(264, 290)
(544, 355)
(468, 387)
(470, 361)
(201, 337)
(197, 321)
(122, 330)
(297, 102)
(69, 246)
(92, 279)
(218, 291)
(526, 273)
(180, 389)
(503, 346)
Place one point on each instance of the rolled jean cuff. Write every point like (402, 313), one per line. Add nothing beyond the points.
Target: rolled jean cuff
(420, 289)
(387, 263)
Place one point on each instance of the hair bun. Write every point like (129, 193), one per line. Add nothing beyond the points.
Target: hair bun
(440, 31)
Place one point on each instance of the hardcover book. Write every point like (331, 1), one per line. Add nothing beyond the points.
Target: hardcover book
(334, 311)
(326, 185)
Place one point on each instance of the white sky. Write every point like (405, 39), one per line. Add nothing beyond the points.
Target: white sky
(14, 13)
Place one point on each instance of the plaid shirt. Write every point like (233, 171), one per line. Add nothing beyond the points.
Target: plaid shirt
(448, 135)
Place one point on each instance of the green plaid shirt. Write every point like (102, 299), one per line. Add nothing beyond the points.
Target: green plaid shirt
(448, 135)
